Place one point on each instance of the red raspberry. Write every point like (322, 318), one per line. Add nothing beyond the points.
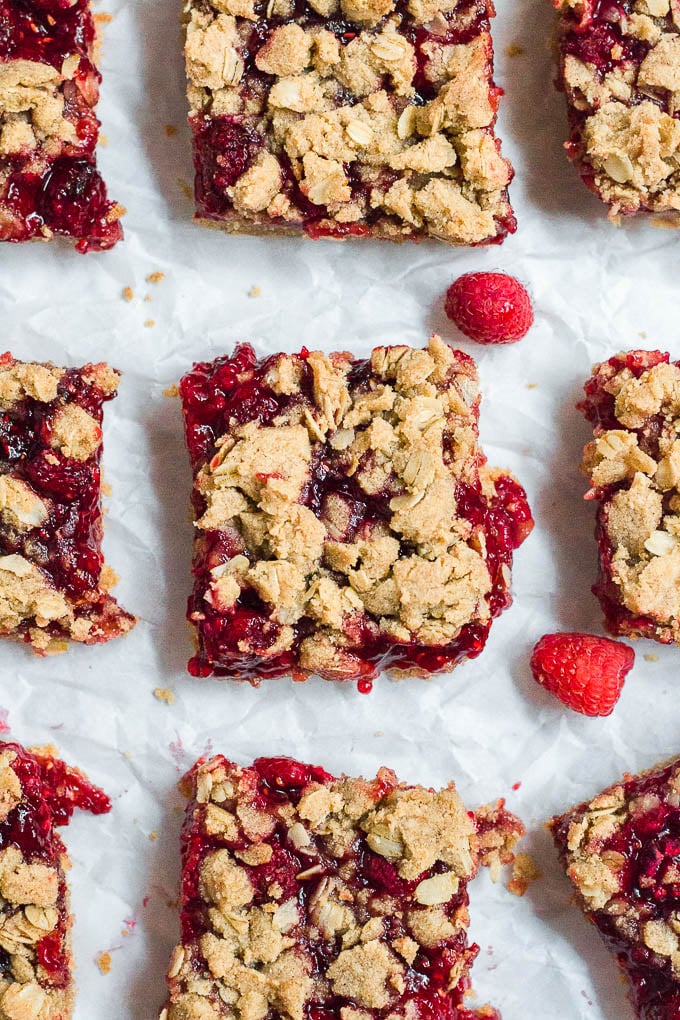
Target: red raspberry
(585, 672)
(491, 308)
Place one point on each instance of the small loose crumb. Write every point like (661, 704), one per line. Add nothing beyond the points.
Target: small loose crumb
(128, 293)
(147, 297)
(106, 489)
(103, 18)
(170, 130)
(514, 50)
(524, 872)
(153, 836)
(642, 334)
(103, 140)
(185, 187)
(149, 323)
(155, 277)
(171, 391)
(378, 733)
(254, 291)
(651, 657)
(532, 385)
(104, 962)
(164, 694)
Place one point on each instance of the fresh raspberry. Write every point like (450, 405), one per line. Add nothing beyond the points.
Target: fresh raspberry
(491, 308)
(585, 672)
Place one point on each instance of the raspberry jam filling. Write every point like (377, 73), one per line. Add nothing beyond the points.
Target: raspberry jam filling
(599, 409)
(427, 993)
(45, 190)
(50, 793)
(228, 392)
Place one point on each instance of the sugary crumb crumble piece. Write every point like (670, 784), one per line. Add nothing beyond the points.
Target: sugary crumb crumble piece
(620, 850)
(345, 517)
(54, 585)
(620, 69)
(304, 895)
(37, 793)
(633, 403)
(49, 87)
(360, 118)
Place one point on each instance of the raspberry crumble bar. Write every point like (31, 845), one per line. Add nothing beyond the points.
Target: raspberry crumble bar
(53, 581)
(347, 118)
(619, 65)
(345, 516)
(306, 897)
(633, 402)
(49, 86)
(622, 852)
(37, 793)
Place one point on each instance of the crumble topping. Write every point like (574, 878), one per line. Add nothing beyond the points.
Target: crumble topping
(251, 951)
(47, 595)
(32, 107)
(624, 134)
(35, 983)
(618, 852)
(406, 437)
(346, 120)
(635, 472)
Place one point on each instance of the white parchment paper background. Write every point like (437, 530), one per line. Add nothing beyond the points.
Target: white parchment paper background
(596, 290)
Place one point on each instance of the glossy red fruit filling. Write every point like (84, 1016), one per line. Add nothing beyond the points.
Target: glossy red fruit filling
(427, 994)
(48, 190)
(51, 791)
(230, 391)
(67, 545)
(48, 31)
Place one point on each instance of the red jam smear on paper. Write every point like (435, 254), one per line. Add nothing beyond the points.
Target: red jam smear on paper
(232, 390)
(274, 781)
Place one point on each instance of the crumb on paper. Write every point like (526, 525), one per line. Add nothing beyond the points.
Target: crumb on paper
(514, 50)
(108, 578)
(170, 130)
(127, 754)
(106, 489)
(153, 836)
(185, 187)
(524, 872)
(164, 694)
(128, 293)
(642, 334)
(104, 962)
(254, 291)
(532, 385)
(102, 18)
(378, 733)
(651, 657)
(103, 140)
(147, 297)
(155, 277)
(171, 391)
(149, 323)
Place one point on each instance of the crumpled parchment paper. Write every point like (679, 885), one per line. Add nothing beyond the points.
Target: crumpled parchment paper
(596, 289)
